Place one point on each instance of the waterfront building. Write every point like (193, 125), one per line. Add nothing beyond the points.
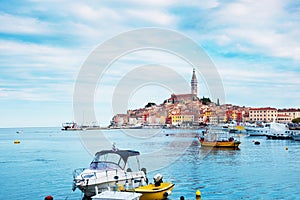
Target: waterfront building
(262, 114)
(292, 112)
(283, 118)
(182, 119)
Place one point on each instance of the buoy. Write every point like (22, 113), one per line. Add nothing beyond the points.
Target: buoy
(198, 194)
(286, 148)
(49, 197)
(17, 141)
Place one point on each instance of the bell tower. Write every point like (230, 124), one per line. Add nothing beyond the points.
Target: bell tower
(194, 84)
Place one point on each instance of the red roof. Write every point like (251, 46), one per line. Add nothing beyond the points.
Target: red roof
(267, 108)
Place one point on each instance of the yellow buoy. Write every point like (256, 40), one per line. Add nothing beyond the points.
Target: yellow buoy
(17, 141)
(198, 194)
(286, 148)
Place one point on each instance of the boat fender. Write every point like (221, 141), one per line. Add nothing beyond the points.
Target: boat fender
(168, 193)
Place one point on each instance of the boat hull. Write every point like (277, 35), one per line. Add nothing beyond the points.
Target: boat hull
(223, 144)
(276, 137)
(102, 181)
(152, 192)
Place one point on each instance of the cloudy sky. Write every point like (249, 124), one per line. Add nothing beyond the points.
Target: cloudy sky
(254, 45)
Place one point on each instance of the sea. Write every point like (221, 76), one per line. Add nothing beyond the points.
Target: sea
(43, 162)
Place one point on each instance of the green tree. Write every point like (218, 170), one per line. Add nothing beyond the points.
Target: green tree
(205, 100)
(150, 104)
(296, 120)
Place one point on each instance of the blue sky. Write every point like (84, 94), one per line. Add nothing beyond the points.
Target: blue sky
(254, 45)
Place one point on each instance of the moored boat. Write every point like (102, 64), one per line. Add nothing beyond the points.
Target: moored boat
(109, 167)
(296, 135)
(223, 143)
(257, 131)
(214, 137)
(155, 191)
(116, 195)
(70, 126)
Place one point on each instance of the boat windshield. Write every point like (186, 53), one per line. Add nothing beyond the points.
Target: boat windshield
(107, 161)
(112, 159)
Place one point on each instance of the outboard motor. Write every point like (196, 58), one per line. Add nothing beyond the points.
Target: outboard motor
(158, 179)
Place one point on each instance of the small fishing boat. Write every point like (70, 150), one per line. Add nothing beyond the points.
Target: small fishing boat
(110, 167)
(215, 137)
(230, 143)
(155, 191)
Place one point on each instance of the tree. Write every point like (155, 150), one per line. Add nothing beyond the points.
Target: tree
(296, 120)
(205, 100)
(150, 104)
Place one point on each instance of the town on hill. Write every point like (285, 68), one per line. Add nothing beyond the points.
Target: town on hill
(188, 110)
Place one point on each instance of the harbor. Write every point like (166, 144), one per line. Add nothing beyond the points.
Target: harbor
(43, 162)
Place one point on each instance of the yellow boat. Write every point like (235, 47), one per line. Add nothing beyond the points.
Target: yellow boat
(154, 191)
(217, 137)
(228, 144)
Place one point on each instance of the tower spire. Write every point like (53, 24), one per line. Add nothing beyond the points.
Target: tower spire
(194, 84)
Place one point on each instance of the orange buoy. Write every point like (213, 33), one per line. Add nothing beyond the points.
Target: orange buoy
(17, 141)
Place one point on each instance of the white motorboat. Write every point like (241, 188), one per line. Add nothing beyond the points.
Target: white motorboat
(296, 135)
(257, 130)
(109, 169)
(115, 195)
(279, 131)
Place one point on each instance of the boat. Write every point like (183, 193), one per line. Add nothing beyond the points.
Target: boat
(280, 135)
(279, 131)
(158, 190)
(70, 126)
(117, 195)
(215, 137)
(108, 168)
(258, 130)
(296, 135)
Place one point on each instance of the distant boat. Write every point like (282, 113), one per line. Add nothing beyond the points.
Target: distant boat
(136, 126)
(70, 126)
(257, 130)
(215, 137)
(280, 135)
(279, 131)
(296, 135)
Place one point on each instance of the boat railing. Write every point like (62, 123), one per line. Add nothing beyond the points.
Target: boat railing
(77, 172)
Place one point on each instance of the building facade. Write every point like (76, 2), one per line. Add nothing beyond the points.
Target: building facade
(263, 114)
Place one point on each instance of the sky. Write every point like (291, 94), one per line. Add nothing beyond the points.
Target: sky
(254, 46)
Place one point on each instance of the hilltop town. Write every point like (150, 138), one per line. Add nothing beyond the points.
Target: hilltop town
(188, 110)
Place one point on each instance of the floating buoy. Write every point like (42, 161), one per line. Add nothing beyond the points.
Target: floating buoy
(17, 141)
(198, 194)
(49, 197)
(286, 148)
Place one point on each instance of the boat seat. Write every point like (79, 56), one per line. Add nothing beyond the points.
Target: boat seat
(129, 170)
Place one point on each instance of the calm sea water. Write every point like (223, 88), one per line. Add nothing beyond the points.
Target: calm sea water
(42, 164)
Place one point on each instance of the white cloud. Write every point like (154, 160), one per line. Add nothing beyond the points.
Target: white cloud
(22, 25)
(153, 16)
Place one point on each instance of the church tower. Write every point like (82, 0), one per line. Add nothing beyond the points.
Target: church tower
(194, 84)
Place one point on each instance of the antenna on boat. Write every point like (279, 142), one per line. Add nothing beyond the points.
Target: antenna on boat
(114, 148)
